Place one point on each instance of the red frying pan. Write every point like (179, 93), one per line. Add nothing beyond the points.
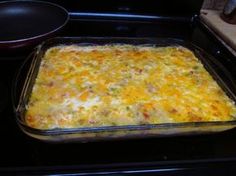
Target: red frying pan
(23, 24)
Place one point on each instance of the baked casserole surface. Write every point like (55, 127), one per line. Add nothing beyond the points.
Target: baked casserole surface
(113, 85)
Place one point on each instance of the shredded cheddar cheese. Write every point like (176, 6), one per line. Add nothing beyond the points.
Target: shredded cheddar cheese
(84, 86)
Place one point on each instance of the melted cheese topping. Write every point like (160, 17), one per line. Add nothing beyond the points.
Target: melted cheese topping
(83, 86)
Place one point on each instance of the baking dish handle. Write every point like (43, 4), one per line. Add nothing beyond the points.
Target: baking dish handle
(19, 88)
(223, 74)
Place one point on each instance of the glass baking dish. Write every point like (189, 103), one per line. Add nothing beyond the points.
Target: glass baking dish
(28, 73)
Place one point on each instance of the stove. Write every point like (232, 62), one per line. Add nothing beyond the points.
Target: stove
(183, 155)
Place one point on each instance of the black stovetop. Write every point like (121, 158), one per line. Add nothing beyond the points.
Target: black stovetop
(172, 155)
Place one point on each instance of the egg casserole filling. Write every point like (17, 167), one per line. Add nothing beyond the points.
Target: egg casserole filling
(113, 85)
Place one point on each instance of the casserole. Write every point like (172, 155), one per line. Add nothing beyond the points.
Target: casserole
(110, 88)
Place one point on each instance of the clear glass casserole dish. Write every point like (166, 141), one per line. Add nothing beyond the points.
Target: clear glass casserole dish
(29, 71)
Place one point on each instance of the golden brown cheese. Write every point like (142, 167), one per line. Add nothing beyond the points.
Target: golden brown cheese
(83, 86)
